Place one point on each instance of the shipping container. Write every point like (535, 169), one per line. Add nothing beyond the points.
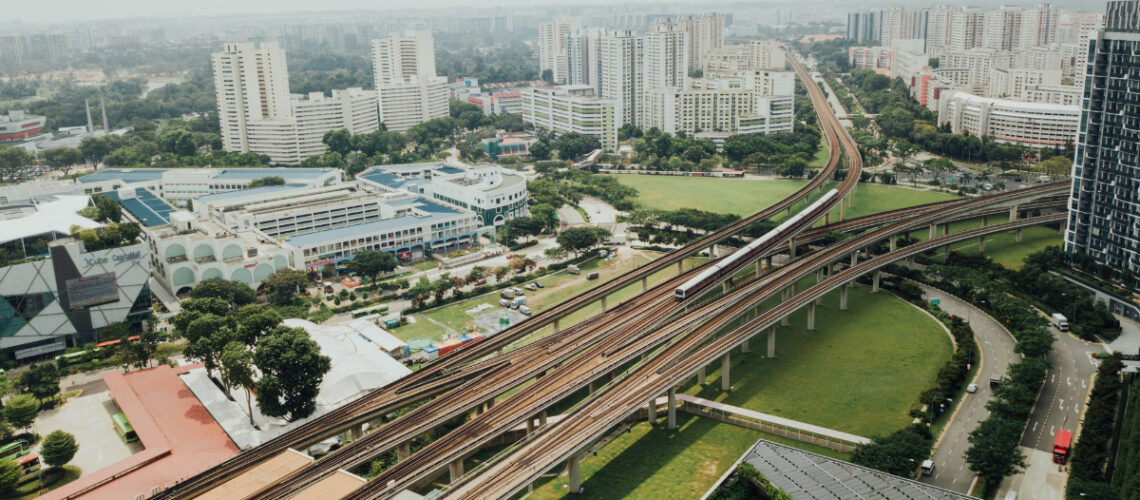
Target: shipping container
(430, 352)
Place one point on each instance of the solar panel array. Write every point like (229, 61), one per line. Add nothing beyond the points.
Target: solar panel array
(146, 207)
(807, 475)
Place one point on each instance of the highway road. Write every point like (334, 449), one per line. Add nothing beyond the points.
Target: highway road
(1060, 406)
(996, 344)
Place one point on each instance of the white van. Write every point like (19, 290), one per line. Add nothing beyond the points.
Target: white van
(927, 467)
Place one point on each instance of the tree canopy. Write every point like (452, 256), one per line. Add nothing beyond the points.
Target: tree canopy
(292, 369)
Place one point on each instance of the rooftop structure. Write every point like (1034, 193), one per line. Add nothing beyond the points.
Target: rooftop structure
(179, 437)
(1014, 122)
(360, 363)
(807, 475)
(180, 184)
(18, 125)
(53, 216)
(496, 194)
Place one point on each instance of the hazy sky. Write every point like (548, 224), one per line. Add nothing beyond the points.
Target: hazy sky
(78, 10)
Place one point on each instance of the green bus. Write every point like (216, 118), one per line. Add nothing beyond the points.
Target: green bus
(123, 427)
(376, 309)
(14, 450)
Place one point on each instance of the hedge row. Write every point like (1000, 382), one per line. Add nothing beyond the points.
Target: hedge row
(1088, 463)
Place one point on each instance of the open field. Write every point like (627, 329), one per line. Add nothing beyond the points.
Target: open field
(1001, 247)
(887, 351)
(746, 197)
(860, 371)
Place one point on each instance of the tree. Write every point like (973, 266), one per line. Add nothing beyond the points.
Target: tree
(59, 448)
(897, 453)
(234, 292)
(10, 473)
(62, 157)
(896, 122)
(545, 214)
(338, 141)
(372, 263)
(548, 75)
(993, 451)
(540, 151)
(292, 369)
(139, 352)
(21, 410)
(555, 252)
(13, 160)
(41, 381)
(579, 239)
(237, 371)
(283, 285)
(500, 272)
(207, 338)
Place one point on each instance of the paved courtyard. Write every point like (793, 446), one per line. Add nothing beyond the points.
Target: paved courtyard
(88, 418)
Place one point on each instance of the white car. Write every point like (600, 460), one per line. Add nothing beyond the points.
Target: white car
(972, 388)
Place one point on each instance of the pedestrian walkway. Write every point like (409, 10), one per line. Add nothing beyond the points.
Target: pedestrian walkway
(771, 424)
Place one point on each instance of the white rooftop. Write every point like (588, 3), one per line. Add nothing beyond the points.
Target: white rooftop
(359, 365)
(55, 214)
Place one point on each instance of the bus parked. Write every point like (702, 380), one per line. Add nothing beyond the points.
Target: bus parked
(29, 464)
(123, 428)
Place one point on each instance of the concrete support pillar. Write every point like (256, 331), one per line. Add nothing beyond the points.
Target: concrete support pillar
(854, 258)
(680, 269)
(811, 316)
(593, 387)
(701, 376)
(981, 244)
(712, 250)
(603, 304)
(933, 232)
(529, 426)
(827, 218)
(575, 476)
(455, 469)
(851, 198)
(644, 284)
(875, 281)
(490, 403)
(745, 348)
(946, 229)
(772, 342)
(1013, 213)
(894, 242)
(768, 262)
(946, 250)
(759, 268)
(652, 410)
(557, 327)
(792, 247)
(842, 298)
(842, 210)
(985, 220)
(725, 367)
(1017, 236)
(789, 210)
(672, 421)
(542, 419)
(725, 286)
(404, 450)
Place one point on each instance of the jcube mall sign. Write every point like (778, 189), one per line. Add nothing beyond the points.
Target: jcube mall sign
(117, 258)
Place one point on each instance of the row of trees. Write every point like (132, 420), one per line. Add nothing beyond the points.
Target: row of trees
(1090, 474)
(994, 452)
(1088, 318)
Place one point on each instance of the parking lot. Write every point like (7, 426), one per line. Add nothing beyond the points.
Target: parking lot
(88, 418)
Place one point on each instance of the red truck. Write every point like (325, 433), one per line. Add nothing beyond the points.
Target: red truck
(1061, 446)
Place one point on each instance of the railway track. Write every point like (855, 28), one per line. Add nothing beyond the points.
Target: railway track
(561, 441)
(451, 372)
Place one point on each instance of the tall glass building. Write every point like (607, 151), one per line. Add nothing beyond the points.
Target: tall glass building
(1104, 205)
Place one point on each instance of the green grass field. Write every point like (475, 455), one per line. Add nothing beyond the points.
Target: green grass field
(746, 197)
(1002, 247)
(838, 376)
(861, 371)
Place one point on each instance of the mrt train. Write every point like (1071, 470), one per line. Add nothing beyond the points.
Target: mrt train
(729, 264)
